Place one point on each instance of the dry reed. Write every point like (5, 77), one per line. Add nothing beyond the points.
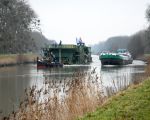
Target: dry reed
(17, 58)
(62, 100)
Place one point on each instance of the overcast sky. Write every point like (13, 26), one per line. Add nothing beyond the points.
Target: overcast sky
(92, 20)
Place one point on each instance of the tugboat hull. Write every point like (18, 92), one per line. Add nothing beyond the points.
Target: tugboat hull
(42, 64)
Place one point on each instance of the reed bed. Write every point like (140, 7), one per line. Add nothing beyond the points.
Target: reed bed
(17, 58)
(61, 100)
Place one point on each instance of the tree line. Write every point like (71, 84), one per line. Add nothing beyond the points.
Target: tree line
(17, 21)
(138, 44)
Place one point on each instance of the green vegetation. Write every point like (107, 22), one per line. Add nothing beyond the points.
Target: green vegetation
(132, 104)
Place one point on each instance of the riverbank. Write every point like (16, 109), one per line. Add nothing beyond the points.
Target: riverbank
(131, 104)
(144, 58)
(15, 59)
(80, 94)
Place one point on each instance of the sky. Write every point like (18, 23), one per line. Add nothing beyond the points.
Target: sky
(92, 20)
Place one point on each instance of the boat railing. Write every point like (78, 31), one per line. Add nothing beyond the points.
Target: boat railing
(62, 46)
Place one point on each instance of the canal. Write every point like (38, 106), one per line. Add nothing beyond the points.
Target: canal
(15, 79)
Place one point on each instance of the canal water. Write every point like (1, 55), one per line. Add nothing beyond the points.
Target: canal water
(15, 79)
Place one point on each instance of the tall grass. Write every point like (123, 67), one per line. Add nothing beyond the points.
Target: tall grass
(61, 100)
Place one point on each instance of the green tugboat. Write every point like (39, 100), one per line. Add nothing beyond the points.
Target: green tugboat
(121, 57)
(65, 54)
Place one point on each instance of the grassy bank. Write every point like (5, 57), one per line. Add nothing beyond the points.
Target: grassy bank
(132, 104)
(10, 59)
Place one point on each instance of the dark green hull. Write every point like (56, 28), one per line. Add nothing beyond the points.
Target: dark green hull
(114, 62)
(114, 59)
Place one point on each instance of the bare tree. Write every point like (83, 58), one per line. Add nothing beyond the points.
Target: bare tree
(137, 44)
(148, 30)
(17, 20)
(148, 13)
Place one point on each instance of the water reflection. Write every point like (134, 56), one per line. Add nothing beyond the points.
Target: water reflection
(66, 71)
(14, 80)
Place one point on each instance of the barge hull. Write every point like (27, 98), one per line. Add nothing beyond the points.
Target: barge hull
(115, 62)
(112, 62)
